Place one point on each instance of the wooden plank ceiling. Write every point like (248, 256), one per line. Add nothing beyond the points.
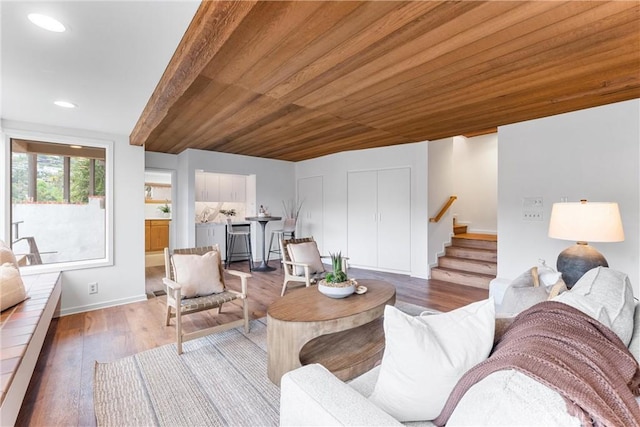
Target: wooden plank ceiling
(297, 80)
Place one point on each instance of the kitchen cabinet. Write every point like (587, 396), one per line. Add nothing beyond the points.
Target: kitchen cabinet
(379, 219)
(310, 218)
(207, 186)
(156, 234)
(209, 234)
(232, 188)
(147, 236)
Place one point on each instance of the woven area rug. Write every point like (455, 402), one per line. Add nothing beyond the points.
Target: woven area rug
(219, 380)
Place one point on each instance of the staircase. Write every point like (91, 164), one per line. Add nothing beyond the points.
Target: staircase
(471, 260)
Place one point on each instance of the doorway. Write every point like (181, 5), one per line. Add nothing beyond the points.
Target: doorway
(159, 229)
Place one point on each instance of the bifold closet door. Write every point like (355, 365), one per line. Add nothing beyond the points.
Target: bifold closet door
(394, 219)
(362, 218)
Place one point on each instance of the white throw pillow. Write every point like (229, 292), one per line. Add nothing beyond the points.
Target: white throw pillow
(425, 356)
(305, 253)
(12, 289)
(607, 296)
(6, 255)
(198, 275)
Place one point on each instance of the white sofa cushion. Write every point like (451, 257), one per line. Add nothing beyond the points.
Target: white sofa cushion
(605, 295)
(425, 356)
(510, 398)
(634, 344)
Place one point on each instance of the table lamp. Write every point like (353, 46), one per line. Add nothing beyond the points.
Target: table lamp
(583, 222)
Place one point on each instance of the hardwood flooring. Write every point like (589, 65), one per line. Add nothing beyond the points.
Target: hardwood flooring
(61, 392)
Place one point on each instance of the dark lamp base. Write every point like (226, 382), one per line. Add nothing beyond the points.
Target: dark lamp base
(576, 260)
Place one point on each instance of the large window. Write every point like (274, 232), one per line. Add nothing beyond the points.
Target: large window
(58, 202)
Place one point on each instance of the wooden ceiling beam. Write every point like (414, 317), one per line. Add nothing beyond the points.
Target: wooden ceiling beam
(295, 80)
(212, 25)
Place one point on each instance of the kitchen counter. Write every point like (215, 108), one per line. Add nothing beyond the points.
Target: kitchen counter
(200, 224)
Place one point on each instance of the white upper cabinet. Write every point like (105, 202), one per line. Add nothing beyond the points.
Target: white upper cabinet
(233, 188)
(215, 187)
(207, 187)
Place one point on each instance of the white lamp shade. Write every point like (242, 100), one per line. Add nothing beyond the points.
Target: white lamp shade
(586, 222)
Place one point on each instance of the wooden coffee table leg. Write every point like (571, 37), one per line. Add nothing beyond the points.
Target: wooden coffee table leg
(284, 342)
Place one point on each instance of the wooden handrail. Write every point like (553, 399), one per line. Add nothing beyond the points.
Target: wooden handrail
(444, 209)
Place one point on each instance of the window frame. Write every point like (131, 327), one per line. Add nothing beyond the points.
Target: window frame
(6, 211)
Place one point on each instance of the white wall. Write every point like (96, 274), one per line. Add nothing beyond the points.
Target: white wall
(334, 169)
(440, 188)
(592, 154)
(274, 183)
(475, 182)
(122, 282)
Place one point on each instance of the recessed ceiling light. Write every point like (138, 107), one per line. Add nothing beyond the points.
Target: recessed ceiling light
(65, 104)
(75, 146)
(46, 22)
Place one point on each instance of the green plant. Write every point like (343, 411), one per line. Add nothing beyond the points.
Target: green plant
(337, 275)
(164, 208)
(230, 212)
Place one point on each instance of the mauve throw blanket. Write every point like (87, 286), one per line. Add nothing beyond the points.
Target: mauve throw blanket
(573, 354)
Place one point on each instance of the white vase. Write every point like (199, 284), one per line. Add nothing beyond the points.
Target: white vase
(336, 291)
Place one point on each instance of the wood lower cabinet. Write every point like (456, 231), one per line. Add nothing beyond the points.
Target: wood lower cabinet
(156, 234)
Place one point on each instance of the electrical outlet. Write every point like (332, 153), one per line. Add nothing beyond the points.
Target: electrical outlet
(93, 288)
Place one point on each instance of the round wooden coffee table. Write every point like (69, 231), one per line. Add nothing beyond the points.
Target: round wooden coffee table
(344, 335)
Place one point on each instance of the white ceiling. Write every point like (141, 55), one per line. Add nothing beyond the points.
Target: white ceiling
(108, 62)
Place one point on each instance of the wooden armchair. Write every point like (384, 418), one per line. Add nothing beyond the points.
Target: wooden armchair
(178, 306)
(308, 271)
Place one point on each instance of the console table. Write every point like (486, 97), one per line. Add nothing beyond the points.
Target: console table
(344, 335)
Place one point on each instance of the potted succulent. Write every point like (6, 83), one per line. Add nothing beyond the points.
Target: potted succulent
(335, 283)
(165, 209)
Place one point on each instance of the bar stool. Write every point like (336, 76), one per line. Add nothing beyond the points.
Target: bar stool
(288, 228)
(231, 239)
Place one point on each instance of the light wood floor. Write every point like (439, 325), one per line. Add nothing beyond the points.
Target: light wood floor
(61, 393)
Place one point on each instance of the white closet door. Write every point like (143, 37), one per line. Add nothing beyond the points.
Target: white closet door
(394, 219)
(310, 218)
(362, 218)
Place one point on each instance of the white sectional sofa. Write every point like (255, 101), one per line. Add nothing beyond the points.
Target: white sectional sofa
(311, 395)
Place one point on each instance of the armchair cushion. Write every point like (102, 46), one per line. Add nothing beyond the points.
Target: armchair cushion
(12, 289)
(305, 253)
(197, 275)
(425, 356)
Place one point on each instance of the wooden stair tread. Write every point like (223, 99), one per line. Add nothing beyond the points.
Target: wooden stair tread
(477, 236)
(470, 260)
(465, 273)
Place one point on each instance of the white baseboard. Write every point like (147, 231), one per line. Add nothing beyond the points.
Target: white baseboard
(104, 304)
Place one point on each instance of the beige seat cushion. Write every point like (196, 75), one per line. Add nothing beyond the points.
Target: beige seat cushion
(12, 289)
(305, 253)
(198, 275)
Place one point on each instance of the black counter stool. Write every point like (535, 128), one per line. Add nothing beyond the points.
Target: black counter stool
(231, 239)
(288, 229)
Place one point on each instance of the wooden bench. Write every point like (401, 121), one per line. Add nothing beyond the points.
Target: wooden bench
(22, 332)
